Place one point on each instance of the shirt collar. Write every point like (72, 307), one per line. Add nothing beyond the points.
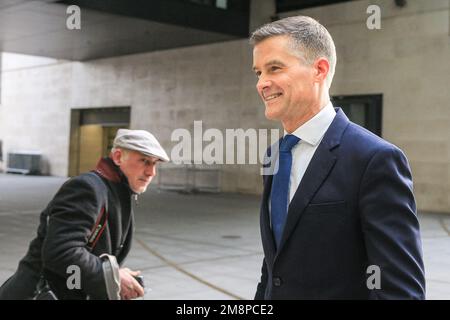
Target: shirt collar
(313, 130)
(110, 171)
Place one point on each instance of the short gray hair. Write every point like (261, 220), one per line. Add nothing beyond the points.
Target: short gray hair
(125, 152)
(309, 38)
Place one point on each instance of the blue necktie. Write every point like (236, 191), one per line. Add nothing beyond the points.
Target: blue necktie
(280, 186)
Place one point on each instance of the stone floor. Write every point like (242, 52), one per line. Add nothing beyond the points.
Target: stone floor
(203, 246)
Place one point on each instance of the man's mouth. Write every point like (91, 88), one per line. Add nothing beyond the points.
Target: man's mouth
(272, 96)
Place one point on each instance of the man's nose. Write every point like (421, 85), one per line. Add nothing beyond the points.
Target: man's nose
(263, 83)
(150, 170)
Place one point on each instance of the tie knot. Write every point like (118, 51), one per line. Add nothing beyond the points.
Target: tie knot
(288, 142)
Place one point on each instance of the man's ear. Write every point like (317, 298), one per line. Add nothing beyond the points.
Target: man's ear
(116, 156)
(321, 68)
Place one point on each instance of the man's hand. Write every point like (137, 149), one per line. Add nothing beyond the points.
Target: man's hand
(129, 287)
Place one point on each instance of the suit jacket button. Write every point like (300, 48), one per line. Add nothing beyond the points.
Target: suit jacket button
(276, 281)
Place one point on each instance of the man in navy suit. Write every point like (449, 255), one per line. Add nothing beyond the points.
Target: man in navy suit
(338, 216)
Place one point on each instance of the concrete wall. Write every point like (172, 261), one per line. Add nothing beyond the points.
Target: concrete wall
(166, 90)
(34, 113)
(408, 61)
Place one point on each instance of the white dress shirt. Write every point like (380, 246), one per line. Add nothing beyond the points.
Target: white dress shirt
(311, 134)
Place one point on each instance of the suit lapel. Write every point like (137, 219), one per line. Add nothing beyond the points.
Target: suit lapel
(266, 231)
(316, 173)
(318, 169)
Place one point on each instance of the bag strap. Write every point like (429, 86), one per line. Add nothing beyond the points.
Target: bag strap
(98, 229)
(102, 218)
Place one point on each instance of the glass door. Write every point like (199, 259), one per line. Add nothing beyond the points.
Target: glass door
(365, 110)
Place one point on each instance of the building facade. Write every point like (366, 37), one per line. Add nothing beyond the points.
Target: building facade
(53, 106)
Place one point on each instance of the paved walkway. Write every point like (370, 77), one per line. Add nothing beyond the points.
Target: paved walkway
(190, 246)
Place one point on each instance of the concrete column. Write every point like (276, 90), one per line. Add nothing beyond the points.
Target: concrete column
(1, 71)
(261, 12)
(1, 140)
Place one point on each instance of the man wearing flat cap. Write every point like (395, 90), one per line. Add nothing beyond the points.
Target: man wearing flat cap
(88, 226)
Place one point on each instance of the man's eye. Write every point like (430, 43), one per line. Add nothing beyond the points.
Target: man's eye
(258, 74)
(147, 162)
(274, 68)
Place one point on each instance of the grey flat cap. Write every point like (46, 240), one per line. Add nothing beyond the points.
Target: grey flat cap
(141, 141)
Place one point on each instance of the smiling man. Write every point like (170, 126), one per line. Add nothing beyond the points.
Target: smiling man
(338, 218)
(86, 230)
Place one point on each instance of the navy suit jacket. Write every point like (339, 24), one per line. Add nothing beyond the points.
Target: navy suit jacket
(354, 208)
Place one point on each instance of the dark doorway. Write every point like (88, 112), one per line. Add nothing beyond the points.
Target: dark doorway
(365, 110)
(91, 135)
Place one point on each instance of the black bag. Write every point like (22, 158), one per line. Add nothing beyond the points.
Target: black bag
(43, 291)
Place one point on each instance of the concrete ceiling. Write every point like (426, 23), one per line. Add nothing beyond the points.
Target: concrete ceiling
(289, 5)
(119, 27)
(39, 28)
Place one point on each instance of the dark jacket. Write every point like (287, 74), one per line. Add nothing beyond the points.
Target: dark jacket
(62, 241)
(353, 208)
